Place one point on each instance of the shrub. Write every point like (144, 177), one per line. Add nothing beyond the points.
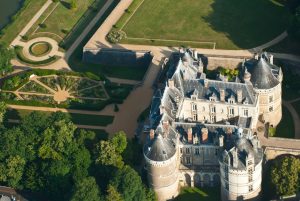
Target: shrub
(25, 37)
(115, 36)
(272, 131)
(65, 31)
(43, 26)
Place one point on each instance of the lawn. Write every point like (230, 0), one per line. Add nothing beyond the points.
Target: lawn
(29, 9)
(197, 194)
(285, 128)
(82, 119)
(231, 24)
(57, 27)
(76, 63)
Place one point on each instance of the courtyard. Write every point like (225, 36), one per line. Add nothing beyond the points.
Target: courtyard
(207, 24)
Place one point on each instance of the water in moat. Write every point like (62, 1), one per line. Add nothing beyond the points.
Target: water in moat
(7, 9)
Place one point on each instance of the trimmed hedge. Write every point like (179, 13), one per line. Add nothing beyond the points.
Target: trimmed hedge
(25, 60)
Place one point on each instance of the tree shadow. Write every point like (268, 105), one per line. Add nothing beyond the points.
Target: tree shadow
(67, 5)
(248, 23)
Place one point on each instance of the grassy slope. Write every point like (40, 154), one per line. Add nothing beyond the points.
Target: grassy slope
(286, 127)
(233, 24)
(83, 119)
(197, 194)
(25, 15)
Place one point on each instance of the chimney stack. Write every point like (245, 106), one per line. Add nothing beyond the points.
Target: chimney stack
(204, 132)
(166, 126)
(205, 83)
(271, 58)
(247, 76)
(190, 135)
(196, 54)
(161, 109)
(222, 95)
(171, 83)
(221, 140)
(151, 134)
(239, 94)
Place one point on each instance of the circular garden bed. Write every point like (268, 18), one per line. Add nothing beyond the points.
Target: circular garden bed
(40, 49)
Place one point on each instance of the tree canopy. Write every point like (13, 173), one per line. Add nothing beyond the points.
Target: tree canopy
(285, 175)
(6, 55)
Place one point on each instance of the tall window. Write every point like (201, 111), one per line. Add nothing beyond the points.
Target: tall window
(181, 150)
(271, 109)
(187, 150)
(250, 188)
(270, 99)
(213, 109)
(197, 151)
(231, 111)
(194, 107)
(188, 160)
(195, 117)
(246, 113)
(213, 119)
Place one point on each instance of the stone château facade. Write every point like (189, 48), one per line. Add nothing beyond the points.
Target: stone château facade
(203, 130)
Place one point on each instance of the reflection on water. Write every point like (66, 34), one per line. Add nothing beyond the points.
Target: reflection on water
(7, 9)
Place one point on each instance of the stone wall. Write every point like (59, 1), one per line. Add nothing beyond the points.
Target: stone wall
(273, 152)
(212, 62)
(115, 57)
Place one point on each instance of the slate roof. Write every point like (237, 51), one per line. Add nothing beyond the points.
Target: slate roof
(262, 76)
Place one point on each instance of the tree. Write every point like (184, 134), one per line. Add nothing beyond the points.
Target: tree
(14, 170)
(6, 55)
(285, 175)
(119, 141)
(113, 194)
(294, 29)
(86, 190)
(129, 184)
(73, 5)
(106, 154)
(2, 111)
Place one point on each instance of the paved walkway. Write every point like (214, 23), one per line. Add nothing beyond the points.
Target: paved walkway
(31, 23)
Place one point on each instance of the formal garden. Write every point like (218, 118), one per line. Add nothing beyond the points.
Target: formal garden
(62, 89)
(207, 24)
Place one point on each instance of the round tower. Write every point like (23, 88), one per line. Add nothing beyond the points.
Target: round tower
(162, 166)
(266, 80)
(241, 172)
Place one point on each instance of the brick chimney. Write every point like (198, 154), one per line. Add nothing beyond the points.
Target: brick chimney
(190, 135)
(222, 95)
(151, 134)
(239, 94)
(204, 132)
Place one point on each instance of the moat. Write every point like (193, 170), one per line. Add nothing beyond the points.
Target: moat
(7, 9)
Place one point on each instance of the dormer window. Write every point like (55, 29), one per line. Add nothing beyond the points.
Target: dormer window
(212, 99)
(246, 101)
(194, 97)
(231, 100)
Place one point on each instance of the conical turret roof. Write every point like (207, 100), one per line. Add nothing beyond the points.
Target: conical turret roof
(262, 76)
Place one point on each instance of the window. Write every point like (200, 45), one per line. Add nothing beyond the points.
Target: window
(231, 111)
(226, 176)
(188, 160)
(181, 150)
(213, 109)
(194, 107)
(271, 109)
(226, 186)
(216, 152)
(270, 99)
(246, 113)
(250, 178)
(187, 150)
(212, 99)
(231, 100)
(197, 151)
(250, 188)
(195, 117)
(213, 119)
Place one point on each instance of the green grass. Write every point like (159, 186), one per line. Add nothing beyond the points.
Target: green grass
(285, 128)
(40, 48)
(82, 119)
(29, 9)
(76, 63)
(197, 194)
(232, 24)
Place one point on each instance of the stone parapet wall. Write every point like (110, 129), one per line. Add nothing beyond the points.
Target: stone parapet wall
(273, 152)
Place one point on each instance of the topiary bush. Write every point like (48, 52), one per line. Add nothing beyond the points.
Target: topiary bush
(116, 36)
